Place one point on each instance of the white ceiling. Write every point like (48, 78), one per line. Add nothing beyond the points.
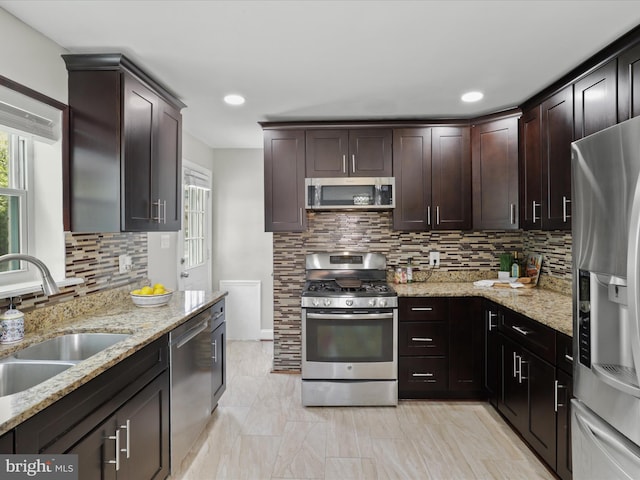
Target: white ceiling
(331, 60)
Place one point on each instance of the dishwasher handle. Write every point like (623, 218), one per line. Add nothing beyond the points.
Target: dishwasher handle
(191, 334)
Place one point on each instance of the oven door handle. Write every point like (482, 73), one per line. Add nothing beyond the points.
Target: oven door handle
(351, 316)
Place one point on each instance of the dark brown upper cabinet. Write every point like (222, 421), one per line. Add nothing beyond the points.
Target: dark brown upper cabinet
(125, 149)
(284, 181)
(450, 207)
(596, 100)
(629, 83)
(530, 171)
(362, 152)
(557, 135)
(412, 172)
(494, 161)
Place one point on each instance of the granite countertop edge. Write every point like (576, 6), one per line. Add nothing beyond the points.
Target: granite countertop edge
(144, 324)
(547, 307)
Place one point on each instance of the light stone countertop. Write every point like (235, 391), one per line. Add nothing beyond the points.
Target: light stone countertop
(144, 324)
(545, 306)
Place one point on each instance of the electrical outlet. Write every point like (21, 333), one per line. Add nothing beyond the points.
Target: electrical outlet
(125, 264)
(434, 259)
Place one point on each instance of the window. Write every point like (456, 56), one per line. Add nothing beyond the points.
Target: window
(31, 184)
(13, 197)
(194, 222)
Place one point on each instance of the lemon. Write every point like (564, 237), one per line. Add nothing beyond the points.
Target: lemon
(136, 292)
(158, 286)
(146, 291)
(159, 291)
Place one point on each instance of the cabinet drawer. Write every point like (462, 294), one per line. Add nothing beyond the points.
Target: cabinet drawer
(420, 374)
(424, 309)
(422, 338)
(538, 338)
(564, 352)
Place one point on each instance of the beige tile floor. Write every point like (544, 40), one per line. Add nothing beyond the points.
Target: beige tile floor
(261, 431)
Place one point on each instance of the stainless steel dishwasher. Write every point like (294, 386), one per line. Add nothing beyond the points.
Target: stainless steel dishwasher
(191, 352)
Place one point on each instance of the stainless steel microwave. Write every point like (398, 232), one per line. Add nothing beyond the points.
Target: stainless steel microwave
(350, 193)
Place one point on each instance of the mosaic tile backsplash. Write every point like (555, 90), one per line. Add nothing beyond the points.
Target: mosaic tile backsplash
(462, 252)
(93, 257)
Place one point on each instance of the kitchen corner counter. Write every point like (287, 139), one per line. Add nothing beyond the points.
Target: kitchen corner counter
(144, 324)
(545, 306)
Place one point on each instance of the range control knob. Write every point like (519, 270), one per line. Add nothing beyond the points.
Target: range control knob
(327, 302)
(372, 302)
(349, 302)
(315, 302)
(383, 302)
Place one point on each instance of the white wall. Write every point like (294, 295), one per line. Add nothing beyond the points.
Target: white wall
(30, 58)
(163, 262)
(242, 250)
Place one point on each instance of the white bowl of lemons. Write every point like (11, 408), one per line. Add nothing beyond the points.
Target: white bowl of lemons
(151, 296)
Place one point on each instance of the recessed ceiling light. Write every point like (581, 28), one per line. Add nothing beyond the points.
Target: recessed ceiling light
(472, 96)
(234, 99)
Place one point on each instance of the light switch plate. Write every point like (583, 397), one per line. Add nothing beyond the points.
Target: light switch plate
(124, 263)
(165, 241)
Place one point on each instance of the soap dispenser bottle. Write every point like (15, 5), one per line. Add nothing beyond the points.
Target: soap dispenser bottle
(11, 324)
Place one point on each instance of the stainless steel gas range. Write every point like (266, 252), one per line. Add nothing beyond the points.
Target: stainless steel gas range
(349, 331)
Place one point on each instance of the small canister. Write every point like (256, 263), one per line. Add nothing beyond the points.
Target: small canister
(11, 325)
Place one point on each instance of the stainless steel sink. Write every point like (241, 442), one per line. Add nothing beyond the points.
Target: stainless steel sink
(72, 347)
(16, 376)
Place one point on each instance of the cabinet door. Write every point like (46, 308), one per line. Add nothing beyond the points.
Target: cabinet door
(144, 432)
(466, 345)
(491, 352)
(596, 101)
(564, 394)
(6, 443)
(97, 452)
(531, 169)
(370, 152)
(139, 117)
(412, 171)
(167, 173)
(219, 375)
(494, 160)
(451, 178)
(541, 419)
(557, 135)
(326, 153)
(513, 398)
(629, 83)
(284, 181)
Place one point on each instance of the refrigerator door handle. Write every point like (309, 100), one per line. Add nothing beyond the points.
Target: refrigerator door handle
(633, 279)
(612, 448)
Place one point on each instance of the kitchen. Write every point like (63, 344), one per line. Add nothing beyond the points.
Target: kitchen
(238, 179)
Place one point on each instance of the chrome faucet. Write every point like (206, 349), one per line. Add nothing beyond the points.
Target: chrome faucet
(49, 287)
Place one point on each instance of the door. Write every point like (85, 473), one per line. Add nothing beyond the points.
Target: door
(370, 152)
(596, 101)
(491, 351)
(326, 153)
(218, 374)
(168, 168)
(629, 83)
(194, 240)
(494, 160)
(284, 171)
(531, 169)
(557, 135)
(466, 345)
(412, 171)
(451, 178)
(512, 402)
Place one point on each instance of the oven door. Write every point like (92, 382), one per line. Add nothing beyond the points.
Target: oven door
(349, 345)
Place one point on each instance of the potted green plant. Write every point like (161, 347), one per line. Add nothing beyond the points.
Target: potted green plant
(505, 266)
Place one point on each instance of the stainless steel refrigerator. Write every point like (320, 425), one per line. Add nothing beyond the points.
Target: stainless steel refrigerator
(605, 413)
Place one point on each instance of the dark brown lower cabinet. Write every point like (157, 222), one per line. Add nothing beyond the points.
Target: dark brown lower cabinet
(6, 443)
(564, 388)
(128, 405)
(440, 348)
(140, 429)
(491, 352)
(527, 398)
